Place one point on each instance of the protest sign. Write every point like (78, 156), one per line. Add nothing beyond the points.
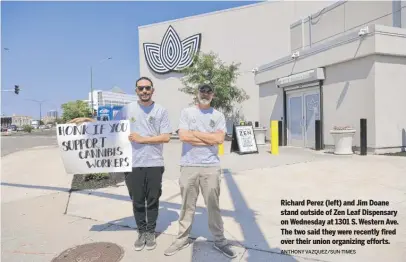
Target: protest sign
(95, 147)
(243, 140)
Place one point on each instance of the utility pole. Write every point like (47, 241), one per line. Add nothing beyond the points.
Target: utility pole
(40, 107)
(91, 83)
(91, 88)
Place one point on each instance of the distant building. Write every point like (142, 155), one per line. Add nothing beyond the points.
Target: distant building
(51, 117)
(35, 123)
(52, 114)
(114, 97)
(21, 120)
(48, 119)
(7, 121)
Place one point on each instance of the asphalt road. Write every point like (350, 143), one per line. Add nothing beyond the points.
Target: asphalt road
(22, 141)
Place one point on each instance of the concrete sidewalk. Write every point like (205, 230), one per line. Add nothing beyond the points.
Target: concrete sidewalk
(250, 204)
(252, 189)
(31, 173)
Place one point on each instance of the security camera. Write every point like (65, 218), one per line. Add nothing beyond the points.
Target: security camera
(363, 31)
(254, 70)
(295, 55)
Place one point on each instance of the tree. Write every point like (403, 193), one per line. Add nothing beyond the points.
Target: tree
(209, 69)
(27, 128)
(59, 121)
(75, 109)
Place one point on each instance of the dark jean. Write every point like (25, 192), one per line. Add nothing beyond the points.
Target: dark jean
(145, 184)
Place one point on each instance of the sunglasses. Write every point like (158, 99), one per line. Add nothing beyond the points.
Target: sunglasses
(141, 88)
(209, 92)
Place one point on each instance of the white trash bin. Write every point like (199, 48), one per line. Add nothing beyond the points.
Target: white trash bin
(260, 135)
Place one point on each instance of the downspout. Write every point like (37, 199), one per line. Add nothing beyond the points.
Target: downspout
(310, 31)
(303, 35)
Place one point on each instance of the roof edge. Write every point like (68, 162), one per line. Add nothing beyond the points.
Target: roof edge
(209, 13)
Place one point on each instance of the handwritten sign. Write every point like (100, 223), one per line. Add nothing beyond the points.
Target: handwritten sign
(95, 147)
(244, 140)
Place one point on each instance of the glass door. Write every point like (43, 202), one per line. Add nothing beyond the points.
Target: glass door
(295, 120)
(312, 113)
(303, 109)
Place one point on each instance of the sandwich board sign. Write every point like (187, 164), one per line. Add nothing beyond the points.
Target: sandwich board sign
(243, 140)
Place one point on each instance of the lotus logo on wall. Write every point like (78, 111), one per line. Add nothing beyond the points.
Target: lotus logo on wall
(173, 54)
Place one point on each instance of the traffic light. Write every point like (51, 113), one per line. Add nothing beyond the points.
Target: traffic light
(16, 89)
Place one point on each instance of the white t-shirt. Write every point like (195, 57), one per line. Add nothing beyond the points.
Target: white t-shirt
(147, 121)
(203, 120)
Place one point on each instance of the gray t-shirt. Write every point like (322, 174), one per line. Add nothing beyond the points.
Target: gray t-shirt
(203, 120)
(146, 121)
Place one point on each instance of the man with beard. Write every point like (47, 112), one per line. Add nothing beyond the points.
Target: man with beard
(150, 129)
(201, 129)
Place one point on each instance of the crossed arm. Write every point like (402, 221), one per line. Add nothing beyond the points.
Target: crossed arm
(198, 138)
(160, 139)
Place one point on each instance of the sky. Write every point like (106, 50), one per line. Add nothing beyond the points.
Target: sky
(51, 46)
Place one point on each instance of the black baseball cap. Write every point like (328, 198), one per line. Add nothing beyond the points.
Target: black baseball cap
(205, 88)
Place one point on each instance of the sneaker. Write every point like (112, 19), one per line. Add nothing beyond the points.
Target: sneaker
(140, 242)
(175, 247)
(150, 241)
(226, 250)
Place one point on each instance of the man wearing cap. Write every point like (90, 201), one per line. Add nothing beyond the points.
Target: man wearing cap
(201, 129)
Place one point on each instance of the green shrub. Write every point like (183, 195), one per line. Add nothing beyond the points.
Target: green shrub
(27, 128)
(96, 176)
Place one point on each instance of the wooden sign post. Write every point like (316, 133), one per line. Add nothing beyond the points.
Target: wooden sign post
(243, 140)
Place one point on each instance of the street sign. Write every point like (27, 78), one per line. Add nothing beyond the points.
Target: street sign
(243, 140)
(107, 113)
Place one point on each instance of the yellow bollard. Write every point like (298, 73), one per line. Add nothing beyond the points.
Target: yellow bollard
(274, 138)
(221, 150)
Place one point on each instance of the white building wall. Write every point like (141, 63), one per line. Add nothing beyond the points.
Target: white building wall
(271, 104)
(110, 98)
(341, 17)
(348, 96)
(390, 95)
(252, 35)
(365, 78)
(403, 13)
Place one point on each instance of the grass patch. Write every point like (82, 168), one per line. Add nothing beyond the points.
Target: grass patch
(98, 176)
(396, 154)
(97, 180)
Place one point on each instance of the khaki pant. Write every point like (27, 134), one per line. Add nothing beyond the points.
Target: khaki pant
(208, 179)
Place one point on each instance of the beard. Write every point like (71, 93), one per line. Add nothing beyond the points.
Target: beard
(203, 100)
(144, 98)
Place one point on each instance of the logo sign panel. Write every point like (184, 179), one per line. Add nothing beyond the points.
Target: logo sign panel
(172, 54)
